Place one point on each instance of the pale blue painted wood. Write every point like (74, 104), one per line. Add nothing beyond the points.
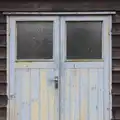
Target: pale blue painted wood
(100, 94)
(67, 95)
(18, 93)
(81, 96)
(84, 94)
(25, 90)
(80, 93)
(52, 98)
(77, 94)
(35, 93)
(93, 104)
(34, 84)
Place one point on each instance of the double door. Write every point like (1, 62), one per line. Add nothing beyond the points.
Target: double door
(59, 67)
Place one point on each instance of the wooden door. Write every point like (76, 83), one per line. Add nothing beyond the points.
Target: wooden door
(59, 68)
(34, 63)
(85, 68)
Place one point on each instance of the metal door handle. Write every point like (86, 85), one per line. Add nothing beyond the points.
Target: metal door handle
(56, 81)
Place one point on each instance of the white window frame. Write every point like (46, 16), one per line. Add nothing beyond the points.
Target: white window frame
(82, 19)
(13, 21)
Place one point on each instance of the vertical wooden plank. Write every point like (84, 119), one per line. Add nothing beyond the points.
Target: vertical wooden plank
(100, 94)
(107, 26)
(11, 58)
(67, 94)
(51, 95)
(18, 86)
(84, 94)
(43, 95)
(93, 77)
(35, 77)
(62, 94)
(25, 105)
(6, 39)
(77, 94)
(72, 94)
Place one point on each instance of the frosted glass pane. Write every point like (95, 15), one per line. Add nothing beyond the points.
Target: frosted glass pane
(34, 40)
(84, 40)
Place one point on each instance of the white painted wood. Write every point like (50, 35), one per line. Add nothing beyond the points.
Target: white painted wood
(84, 94)
(79, 18)
(85, 18)
(11, 71)
(36, 97)
(84, 87)
(83, 65)
(22, 92)
(100, 94)
(8, 68)
(99, 102)
(62, 93)
(35, 93)
(43, 96)
(60, 13)
(13, 21)
(107, 69)
(93, 106)
(18, 93)
(35, 65)
(67, 90)
(77, 94)
(33, 18)
(110, 66)
(25, 97)
(52, 98)
(72, 93)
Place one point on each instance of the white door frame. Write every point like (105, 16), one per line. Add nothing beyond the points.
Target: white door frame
(108, 56)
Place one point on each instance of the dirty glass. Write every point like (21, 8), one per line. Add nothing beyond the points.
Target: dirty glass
(34, 40)
(84, 40)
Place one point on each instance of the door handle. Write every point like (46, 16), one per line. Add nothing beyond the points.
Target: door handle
(56, 82)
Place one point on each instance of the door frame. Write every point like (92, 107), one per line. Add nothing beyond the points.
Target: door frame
(108, 84)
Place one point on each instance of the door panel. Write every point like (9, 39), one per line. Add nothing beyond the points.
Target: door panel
(84, 54)
(34, 60)
(82, 94)
(35, 94)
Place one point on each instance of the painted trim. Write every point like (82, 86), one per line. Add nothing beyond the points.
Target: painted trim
(8, 76)
(59, 13)
(83, 65)
(108, 69)
(83, 19)
(108, 66)
(10, 70)
(54, 19)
